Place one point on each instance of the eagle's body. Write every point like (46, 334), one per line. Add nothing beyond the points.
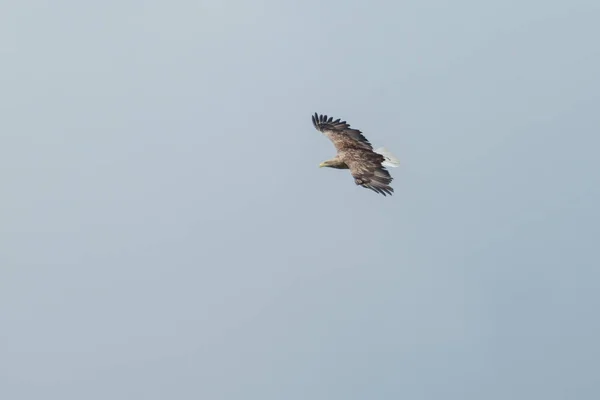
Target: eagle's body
(354, 152)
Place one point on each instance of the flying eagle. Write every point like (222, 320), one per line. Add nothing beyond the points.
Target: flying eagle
(354, 152)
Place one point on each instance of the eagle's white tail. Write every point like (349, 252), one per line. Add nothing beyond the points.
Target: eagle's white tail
(390, 159)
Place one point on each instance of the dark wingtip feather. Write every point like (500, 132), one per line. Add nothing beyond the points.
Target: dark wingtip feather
(384, 190)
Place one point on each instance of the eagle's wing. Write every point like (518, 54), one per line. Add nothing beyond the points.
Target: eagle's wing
(340, 133)
(368, 172)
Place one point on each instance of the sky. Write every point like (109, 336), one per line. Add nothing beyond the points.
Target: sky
(166, 231)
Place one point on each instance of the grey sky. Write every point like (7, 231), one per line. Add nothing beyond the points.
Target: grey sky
(166, 232)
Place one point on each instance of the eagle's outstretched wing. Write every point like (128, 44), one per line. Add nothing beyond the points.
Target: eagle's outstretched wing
(340, 133)
(367, 171)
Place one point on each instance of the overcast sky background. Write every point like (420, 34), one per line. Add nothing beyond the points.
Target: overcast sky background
(166, 232)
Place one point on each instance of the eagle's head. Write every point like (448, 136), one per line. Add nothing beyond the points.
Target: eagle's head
(333, 164)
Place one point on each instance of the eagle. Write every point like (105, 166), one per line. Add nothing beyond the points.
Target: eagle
(354, 152)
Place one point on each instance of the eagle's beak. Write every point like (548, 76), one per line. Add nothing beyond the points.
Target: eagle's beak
(321, 165)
